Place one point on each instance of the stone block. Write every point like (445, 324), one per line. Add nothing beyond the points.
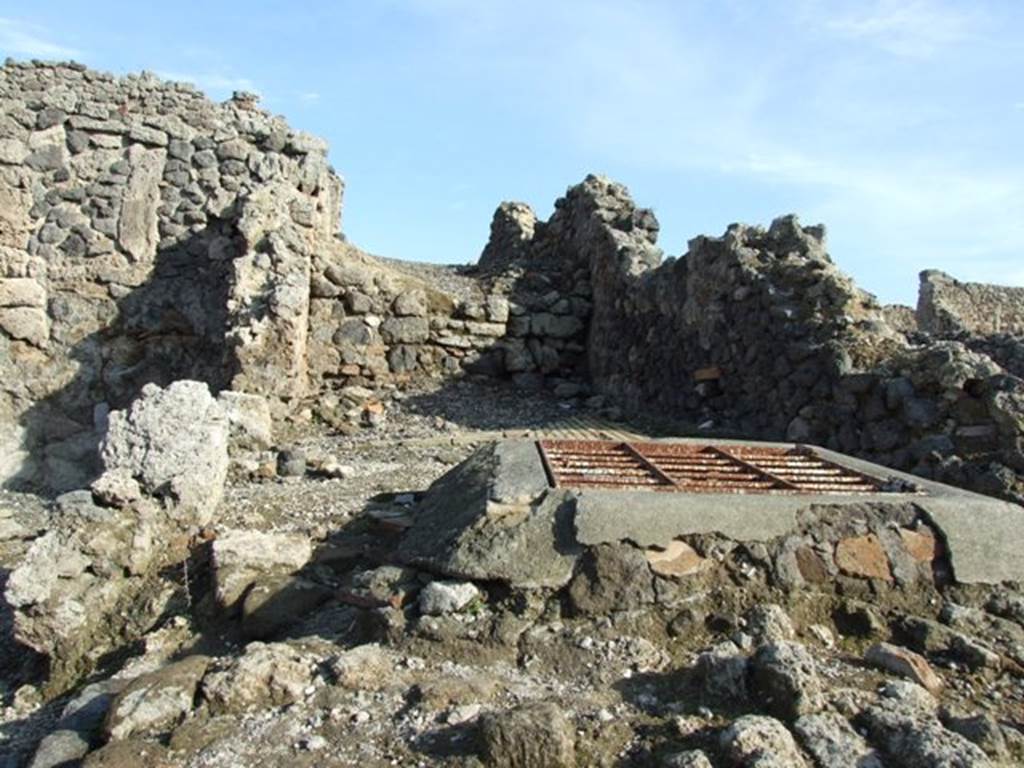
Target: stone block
(863, 556)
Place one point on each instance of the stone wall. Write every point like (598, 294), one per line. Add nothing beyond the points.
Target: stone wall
(758, 334)
(946, 305)
(149, 235)
(139, 244)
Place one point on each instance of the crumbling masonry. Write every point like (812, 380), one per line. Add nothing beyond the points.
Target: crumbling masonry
(149, 235)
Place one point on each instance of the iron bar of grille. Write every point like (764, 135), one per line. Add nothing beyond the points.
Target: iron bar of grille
(649, 463)
(753, 467)
(698, 468)
(552, 477)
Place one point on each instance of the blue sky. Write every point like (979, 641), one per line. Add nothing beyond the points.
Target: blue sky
(900, 125)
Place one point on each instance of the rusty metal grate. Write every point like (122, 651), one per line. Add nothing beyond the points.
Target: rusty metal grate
(689, 468)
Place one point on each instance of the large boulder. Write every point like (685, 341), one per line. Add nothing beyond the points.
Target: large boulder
(174, 442)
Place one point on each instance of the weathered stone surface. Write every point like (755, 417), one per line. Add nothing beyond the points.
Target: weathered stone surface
(907, 737)
(411, 303)
(21, 292)
(249, 420)
(755, 741)
(265, 675)
(769, 623)
(174, 442)
(529, 736)
(138, 232)
(785, 680)
(440, 597)
(676, 559)
(611, 578)
(863, 556)
(405, 330)
(240, 558)
(25, 324)
(921, 545)
(365, 667)
(153, 704)
(833, 743)
(722, 673)
(275, 602)
(691, 758)
(78, 727)
(130, 753)
(460, 529)
(947, 305)
(901, 661)
(981, 729)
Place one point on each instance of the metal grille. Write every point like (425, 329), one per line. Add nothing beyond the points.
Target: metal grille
(689, 468)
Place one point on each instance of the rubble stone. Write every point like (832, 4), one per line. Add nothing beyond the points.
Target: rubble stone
(529, 736)
(174, 442)
(903, 662)
(757, 741)
(785, 679)
(240, 558)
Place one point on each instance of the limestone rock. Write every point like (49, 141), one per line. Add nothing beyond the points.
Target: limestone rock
(25, 324)
(138, 232)
(174, 442)
(249, 421)
(442, 597)
(21, 292)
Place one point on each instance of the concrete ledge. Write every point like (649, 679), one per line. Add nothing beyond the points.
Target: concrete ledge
(495, 517)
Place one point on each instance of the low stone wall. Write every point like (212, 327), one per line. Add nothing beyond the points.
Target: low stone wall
(946, 305)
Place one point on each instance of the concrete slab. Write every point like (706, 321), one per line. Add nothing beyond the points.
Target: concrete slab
(494, 517)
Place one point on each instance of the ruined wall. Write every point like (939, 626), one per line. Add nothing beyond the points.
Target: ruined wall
(900, 318)
(946, 305)
(758, 334)
(122, 260)
(148, 234)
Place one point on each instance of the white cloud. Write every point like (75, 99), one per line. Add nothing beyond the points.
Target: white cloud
(216, 84)
(915, 29)
(21, 39)
(309, 97)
